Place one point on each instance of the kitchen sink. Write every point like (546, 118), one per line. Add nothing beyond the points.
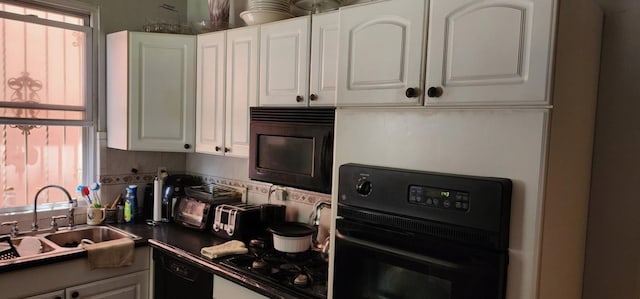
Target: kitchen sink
(95, 234)
(64, 242)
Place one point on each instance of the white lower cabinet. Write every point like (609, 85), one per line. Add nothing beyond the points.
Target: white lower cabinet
(224, 289)
(59, 294)
(131, 286)
(74, 279)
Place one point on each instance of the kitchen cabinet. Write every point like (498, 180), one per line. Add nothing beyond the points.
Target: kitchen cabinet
(227, 86)
(380, 53)
(225, 289)
(59, 294)
(150, 91)
(489, 52)
(131, 286)
(64, 278)
(298, 60)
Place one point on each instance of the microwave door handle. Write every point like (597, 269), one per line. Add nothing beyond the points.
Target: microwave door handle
(325, 154)
(395, 251)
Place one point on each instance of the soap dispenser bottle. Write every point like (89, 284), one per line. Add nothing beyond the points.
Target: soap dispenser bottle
(130, 204)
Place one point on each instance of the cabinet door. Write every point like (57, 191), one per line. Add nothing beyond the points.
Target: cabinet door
(52, 295)
(131, 286)
(224, 289)
(284, 62)
(210, 93)
(161, 92)
(324, 59)
(380, 54)
(242, 87)
(489, 51)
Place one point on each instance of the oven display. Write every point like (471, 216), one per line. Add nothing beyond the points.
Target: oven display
(439, 198)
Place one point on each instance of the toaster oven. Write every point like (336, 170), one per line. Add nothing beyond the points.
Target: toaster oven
(194, 209)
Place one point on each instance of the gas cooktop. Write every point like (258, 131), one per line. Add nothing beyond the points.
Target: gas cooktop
(302, 273)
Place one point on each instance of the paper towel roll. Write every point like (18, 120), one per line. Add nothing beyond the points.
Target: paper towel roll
(157, 200)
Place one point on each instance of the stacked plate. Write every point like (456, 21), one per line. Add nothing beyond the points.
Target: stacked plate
(265, 11)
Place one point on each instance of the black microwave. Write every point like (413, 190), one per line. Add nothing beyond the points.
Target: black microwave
(292, 146)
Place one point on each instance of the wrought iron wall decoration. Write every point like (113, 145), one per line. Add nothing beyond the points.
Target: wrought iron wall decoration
(25, 90)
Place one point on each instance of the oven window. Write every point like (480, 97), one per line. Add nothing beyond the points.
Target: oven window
(383, 280)
(286, 154)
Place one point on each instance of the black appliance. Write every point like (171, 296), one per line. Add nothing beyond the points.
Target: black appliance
(298, 275)
(177, 278)
(174, 187)
(292, 147)
(415, 234)
(238, 221)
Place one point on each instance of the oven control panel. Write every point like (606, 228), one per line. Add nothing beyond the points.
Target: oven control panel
(439, 198)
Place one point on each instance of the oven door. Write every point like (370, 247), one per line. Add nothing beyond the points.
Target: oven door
(373, 262)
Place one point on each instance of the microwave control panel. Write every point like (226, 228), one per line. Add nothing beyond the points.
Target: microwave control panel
(439, 198)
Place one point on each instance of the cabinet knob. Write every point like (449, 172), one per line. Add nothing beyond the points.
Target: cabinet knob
(434, 92)
(75, 294)
(226, 149)
(57, 297)
(217, 148)
(187, 146)
(411, 92)
(313, 97)
(299, 99)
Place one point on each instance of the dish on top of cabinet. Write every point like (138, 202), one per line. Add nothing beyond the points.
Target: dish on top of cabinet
(265, 11)
(318, 6)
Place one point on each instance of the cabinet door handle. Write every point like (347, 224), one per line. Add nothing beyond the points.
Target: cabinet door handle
(299, 99)
(411, 92)
(313, 97)
(57, 297)
(217, 148)
(187, 146)
(75, 294)
(434, 92)
(226, 149)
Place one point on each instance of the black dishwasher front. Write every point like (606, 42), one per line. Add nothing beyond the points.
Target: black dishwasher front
(176, 278)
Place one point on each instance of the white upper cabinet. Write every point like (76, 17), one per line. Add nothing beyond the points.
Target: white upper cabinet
(291, 73)
(227, 87)
(210, 92)
(242, 87)
(323, 76)
(380, 53)
(489, 52)
(150, 91)
(284, 62)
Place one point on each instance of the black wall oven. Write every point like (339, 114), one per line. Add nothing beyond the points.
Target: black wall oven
(292, 146)
(409, 234)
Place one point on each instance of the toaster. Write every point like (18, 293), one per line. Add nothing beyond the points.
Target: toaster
(237, 221)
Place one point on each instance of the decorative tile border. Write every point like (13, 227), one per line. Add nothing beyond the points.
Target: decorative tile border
(293, 194)
(140, 178)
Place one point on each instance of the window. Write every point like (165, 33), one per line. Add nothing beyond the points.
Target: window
(46, 101)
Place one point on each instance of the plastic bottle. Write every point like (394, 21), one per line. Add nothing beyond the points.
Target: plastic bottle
(130, 204)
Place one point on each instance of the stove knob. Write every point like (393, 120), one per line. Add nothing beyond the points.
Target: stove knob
(363, 187)
(301, 280)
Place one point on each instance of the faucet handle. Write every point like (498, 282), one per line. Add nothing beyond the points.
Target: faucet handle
(54, 224)
(14, 227)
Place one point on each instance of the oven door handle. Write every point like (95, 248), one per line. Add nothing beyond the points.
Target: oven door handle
(395, 251)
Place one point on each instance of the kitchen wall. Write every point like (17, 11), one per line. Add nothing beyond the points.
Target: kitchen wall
(612, 267)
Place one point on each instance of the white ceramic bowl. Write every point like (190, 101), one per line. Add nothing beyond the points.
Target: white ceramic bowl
(255, 17)
(291, 244)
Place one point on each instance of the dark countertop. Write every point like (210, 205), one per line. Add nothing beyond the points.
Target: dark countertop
(186, 244)
(180, 242)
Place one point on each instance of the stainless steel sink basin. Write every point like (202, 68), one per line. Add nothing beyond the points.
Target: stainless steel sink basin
(96, 234)
(44, 245)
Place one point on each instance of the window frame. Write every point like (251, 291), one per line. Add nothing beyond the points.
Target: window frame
(90, 124)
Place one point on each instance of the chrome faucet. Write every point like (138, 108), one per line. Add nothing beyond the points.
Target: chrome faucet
(34, 225)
